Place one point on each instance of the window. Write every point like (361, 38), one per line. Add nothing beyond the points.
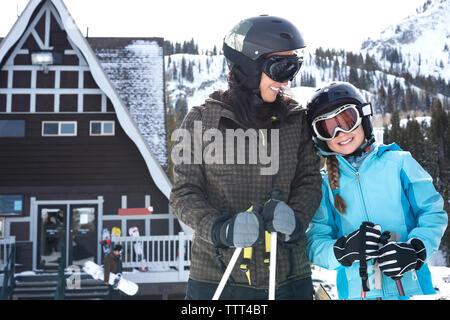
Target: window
(11, 204)
(12, 128)
(59, 128)
(102, 128)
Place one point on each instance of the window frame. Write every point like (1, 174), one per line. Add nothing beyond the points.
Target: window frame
(14, 212)
(59, 134)
(102, 123)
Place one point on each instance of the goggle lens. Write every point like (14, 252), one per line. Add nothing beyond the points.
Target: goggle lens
(282, 68)
(345, 120)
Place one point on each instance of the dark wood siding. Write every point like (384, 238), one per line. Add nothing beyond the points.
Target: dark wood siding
(63, 168)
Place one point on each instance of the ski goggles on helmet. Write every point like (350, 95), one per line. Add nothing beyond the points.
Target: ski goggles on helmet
(281, 68)
(345, 118)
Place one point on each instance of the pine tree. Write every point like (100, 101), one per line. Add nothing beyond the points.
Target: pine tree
(172, 122)
(190, 72)
(181, 108)
(183, 67)
(353, 77)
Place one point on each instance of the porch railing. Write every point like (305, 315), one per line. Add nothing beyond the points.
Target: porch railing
(5, 250)
(9, 259)
(160, 253)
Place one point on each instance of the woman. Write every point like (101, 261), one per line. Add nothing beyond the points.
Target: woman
(380, 217)
(231, 203)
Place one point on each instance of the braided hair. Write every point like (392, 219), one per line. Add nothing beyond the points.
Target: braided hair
(331, 163)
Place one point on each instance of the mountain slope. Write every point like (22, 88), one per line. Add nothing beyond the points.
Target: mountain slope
(422, 40)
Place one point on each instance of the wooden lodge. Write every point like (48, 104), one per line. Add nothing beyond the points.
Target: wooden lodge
(82, 136)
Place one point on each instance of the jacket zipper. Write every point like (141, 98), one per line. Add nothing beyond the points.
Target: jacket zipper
(366, 214)
(358, 181)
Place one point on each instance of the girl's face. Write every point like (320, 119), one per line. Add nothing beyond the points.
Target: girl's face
(346, 143)
(269, 88)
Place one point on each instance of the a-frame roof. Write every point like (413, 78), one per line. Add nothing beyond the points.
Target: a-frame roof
(129, 126)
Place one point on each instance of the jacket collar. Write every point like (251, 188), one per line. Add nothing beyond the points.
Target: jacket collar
(388, 147)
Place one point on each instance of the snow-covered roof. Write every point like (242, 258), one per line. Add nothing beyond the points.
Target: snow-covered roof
(112, 88)
(135, 67)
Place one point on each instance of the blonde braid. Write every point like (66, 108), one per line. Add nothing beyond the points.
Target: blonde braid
(333, 176)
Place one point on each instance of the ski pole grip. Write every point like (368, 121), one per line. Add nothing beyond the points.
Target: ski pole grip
(386, 237)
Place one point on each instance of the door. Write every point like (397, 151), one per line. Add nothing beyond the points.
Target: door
(74, 226)
(52, 235)
(83, 234)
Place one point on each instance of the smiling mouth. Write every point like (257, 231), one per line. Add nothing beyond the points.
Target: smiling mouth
(343, 143)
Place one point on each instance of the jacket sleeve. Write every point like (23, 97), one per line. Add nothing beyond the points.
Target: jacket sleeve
(188, 197)
(305, 192)
(426, 203)
(322, 233)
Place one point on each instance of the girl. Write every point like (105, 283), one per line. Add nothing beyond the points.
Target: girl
(260, 52)
(370, 193)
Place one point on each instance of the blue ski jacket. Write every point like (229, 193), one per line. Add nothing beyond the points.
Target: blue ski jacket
(390, 189)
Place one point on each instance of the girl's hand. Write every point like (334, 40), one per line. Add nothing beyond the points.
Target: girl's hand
(347, 249)
(397, 258)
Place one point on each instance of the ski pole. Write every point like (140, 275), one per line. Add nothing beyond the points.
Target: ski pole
(227, 273)
(398, 282)
(275, 193)
(273, 265)
(394, 236)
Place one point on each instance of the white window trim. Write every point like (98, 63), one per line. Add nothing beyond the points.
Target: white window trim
(102, 122)
(59, 134)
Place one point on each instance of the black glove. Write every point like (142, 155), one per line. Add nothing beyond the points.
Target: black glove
(397, 258)
(242, 230)
(348, 249)
(279, 217)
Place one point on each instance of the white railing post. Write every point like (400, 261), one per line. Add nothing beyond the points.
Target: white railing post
(5, 250)
(181, 240)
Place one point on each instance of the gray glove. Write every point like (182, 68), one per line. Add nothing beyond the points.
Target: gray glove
(242, 230)
(279, 217)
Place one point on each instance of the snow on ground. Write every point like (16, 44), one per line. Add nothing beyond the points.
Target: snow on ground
(440, 277)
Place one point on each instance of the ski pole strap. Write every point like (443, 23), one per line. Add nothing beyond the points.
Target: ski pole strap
(362, 259)
(245, 262)
(222, 264)
(267, 252)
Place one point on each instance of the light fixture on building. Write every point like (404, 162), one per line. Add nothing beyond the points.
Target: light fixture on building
(42, 58)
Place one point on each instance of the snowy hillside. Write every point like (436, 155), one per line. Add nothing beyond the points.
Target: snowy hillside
(386, 69)
(208, 74)
(422, 40)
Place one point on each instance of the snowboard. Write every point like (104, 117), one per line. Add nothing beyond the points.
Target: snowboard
(138, 247)
(115, 231)
(106, 242)
(117, 280)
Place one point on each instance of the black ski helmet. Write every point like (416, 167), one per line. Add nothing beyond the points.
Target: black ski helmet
(252, 39)
(332, 96)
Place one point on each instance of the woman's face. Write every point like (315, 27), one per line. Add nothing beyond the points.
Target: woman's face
(269, 88)
(347, 143)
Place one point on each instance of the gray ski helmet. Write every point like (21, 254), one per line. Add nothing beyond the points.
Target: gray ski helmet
(253, 38)
(332, 96)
